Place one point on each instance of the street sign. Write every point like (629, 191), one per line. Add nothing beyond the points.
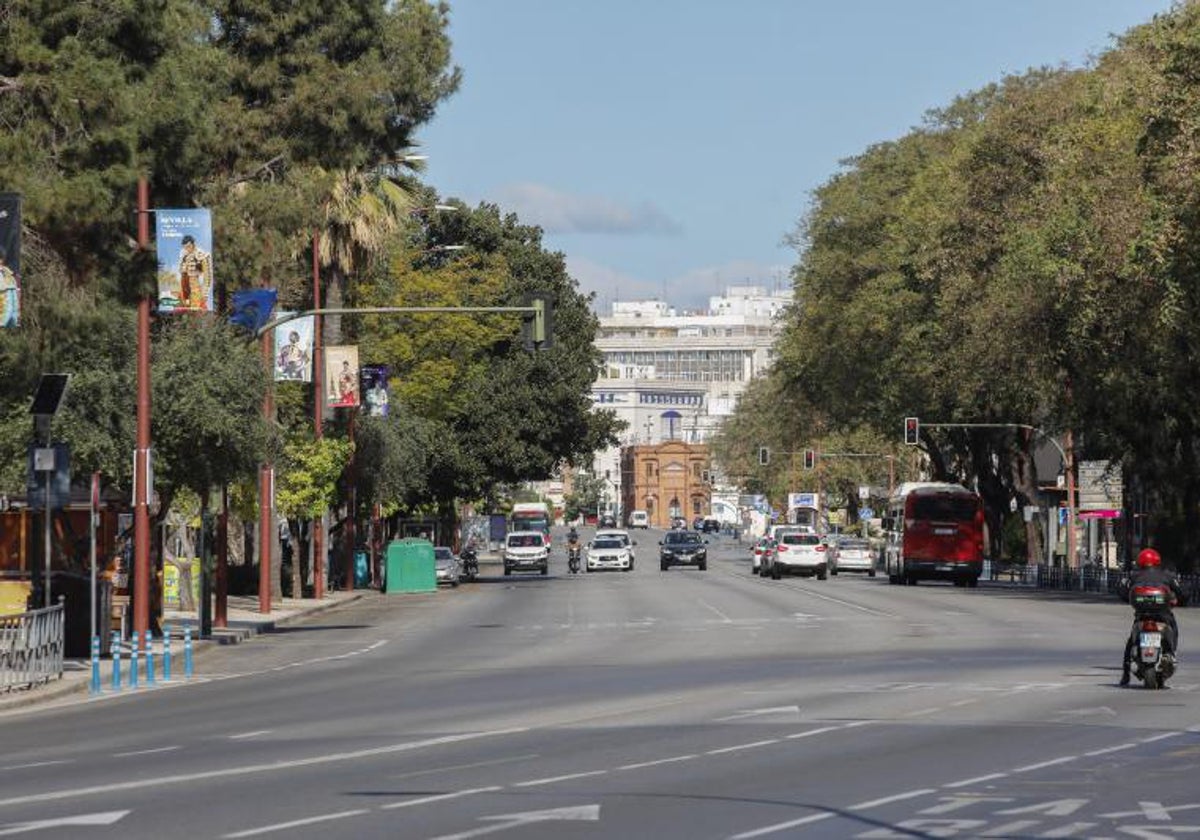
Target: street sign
(864, 492)
(866, 513)
(52, 463)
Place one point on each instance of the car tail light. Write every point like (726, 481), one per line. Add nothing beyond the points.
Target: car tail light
(781, 548)
(820, 548)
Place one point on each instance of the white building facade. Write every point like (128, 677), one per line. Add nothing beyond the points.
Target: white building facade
(676, 376)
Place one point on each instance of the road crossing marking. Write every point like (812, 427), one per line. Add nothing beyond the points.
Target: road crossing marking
(267, 829)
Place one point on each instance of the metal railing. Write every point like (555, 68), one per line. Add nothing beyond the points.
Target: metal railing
(1094, 579)
(31, 647)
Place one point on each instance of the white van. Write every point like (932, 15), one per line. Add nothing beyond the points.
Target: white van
(639, 519)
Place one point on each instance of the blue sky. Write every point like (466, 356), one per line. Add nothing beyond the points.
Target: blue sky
(668, 147)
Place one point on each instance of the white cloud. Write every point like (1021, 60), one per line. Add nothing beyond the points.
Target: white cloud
(559, 212)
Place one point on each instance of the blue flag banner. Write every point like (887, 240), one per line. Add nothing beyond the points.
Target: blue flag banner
(374, 389)
(251, 308)
(185, 265)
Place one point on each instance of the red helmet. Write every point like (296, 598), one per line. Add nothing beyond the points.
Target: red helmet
(1148, 557)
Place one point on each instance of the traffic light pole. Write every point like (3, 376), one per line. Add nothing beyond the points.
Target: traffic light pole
(1068, 469)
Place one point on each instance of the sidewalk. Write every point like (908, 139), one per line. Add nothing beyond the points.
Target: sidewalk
(244, 622)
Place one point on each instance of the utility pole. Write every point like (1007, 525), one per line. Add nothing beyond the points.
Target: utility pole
(318, 526)
(265, 502)
(141, 455)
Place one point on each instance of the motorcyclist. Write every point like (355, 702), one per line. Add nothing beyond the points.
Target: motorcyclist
(1151, 574)
(573, 547)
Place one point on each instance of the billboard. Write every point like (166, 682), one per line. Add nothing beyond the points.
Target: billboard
(294, 349)
(10, 259)
(375, 390)
(341, 376)
(185, 265)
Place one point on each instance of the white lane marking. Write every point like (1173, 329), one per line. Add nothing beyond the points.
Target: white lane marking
(968, 782)
(852, 606)
(267, 829)
(250, 769)
(473, 765)
(1041, 764)
(820, 731)
(37, 764)
(102, 818)
(505, 822)
(1155, 811)
(1161, 737)
(746, 713)
(922, 712)
(1120, 815)
(642, 764)
(440, 797)
(749, 746)
(1107, 750)
(565, 778)
(966, 702)
(784, 826)
(254, 734)
(146, 752)
(726, 619)
(887, 800)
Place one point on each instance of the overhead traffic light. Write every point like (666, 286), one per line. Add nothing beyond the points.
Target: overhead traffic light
(810, 459)
(764, 456)
(912, 431)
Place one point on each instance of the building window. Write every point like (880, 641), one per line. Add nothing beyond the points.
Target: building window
(649, 470)
(697, 506)
(671, 424)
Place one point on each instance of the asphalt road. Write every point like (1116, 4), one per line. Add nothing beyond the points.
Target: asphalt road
(671, 704)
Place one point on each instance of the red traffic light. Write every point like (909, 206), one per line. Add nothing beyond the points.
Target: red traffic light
(810, 459)
(912, 431)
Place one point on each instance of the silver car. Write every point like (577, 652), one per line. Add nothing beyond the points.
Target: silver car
(853, 555)
(447, 565)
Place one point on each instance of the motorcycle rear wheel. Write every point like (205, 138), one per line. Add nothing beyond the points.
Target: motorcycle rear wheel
(1150, 679)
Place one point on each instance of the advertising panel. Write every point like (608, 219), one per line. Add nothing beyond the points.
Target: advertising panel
(341, 376)
(185, 267)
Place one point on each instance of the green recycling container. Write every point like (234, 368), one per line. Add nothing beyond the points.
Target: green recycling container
(409, 567)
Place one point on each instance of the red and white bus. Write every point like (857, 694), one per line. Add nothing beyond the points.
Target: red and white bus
(934, 531)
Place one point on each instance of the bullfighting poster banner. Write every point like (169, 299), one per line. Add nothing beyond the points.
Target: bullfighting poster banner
(375, 390)
(294, 349)
(341, 376)
(10, 259)
(185, 265)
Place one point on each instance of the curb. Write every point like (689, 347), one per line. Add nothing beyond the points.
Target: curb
(78, 680)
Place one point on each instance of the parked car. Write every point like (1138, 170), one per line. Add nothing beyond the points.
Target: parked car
(762, 552)
(608, 551)
(526, 551)
(853, 555)
(800, 554)
(447, 565)
(683, 548)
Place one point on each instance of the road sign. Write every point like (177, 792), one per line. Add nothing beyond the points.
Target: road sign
(866, 513)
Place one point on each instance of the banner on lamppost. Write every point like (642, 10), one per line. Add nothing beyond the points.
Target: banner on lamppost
(375, 390)
(293, 349)
(341, 376)
(10, 259)
(185, 267)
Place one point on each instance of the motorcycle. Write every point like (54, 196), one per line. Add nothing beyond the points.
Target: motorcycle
(1153, 659)
(470, 563)
(573, 554)
(1153, 662)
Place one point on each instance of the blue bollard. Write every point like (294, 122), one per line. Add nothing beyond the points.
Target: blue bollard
(95, 689)
(166, 653)
(149, 659)
(134, 653)
(116, 660)
(187, 652)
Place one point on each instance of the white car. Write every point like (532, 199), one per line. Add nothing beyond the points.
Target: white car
(526, 551)
(800, 554)
(617, 533)
(609, 551)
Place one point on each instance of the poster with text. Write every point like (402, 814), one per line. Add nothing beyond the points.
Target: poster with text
(185, 263)
(10, 259)
(293, 349)
(375, 390)
(341, 376)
